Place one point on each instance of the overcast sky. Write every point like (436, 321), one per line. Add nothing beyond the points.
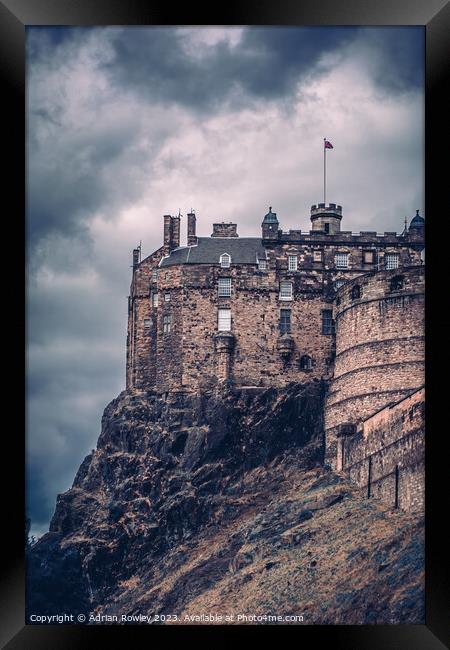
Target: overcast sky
(125, 125)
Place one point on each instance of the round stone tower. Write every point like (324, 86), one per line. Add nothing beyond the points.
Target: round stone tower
(326, 218)
(379, 347)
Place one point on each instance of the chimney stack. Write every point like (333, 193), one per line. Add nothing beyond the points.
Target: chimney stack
(175, 231)
(135, 258)
(167, 241)
(191, 237)
(224, 230)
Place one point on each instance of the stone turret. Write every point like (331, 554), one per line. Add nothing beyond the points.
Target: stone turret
(326, 218)
(270, 225)
(417, 223)
(225, 342)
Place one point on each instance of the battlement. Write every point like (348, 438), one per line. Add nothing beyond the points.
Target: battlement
(322, 208)
(344, 236)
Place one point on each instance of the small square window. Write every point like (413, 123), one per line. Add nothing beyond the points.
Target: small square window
(147, 323)
(391, 260)
(224, 287)
(224, 320)
(317, 256)
(338, 284)
(369, 257)
(292, 262)
(262, 265)
(167, 297)
(285, 290)
(341, 260)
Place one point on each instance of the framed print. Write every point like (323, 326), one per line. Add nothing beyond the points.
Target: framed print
(229, 322)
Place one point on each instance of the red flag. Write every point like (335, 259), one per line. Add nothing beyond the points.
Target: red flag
(328, 145)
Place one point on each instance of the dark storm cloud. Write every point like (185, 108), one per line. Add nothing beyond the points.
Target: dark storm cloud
(68, 181)
(69, 178)
(74, 367)
(395, 56)
(267, 63)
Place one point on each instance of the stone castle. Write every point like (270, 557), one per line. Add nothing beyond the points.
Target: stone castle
(326, 305)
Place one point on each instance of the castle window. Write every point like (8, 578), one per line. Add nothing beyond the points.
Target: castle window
(147, 323)
(368, 257)
(326, 227)
(262, 265)
(391, 260)
(154, 275)
(305, 362)
(317, 256)
(396, 283)
(225, 260)
(285, 290)
(327, 321)
(292, 262)
(338, 284)
(167, 297)
(167, 323)
(224, 320)
(225, 287)
(355, 293)
(285, 321)
(341, 260)
(154, 298)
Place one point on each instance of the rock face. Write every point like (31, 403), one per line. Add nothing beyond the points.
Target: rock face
(198, 505)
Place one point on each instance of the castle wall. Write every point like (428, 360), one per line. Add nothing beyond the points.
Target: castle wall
(255, 311)
(368, 341)
(169, 349)
(379, 347)
(141, 339)
(386, 456)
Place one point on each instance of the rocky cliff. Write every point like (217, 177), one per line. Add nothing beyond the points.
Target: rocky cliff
(194, 507)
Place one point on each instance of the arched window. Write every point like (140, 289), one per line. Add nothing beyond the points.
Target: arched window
(355, 293)
(305, 362)
(396, 283)
(225, 260)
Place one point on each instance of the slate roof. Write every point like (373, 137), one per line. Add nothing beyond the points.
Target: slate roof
(243, 250)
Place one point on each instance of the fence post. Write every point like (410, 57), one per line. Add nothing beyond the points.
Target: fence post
(397, 476)
(369, 477)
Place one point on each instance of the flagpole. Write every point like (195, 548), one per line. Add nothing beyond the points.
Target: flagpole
(324, 170)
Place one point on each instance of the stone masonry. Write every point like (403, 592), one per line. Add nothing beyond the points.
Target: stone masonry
(284, 307)
(385, 456)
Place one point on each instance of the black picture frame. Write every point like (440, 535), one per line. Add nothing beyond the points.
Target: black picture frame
(434, 15)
